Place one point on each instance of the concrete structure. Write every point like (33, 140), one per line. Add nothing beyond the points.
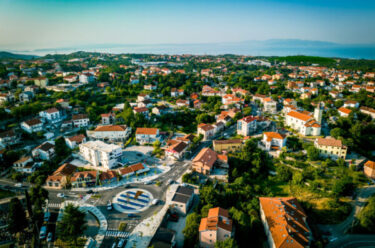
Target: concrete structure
(227, 145)
(273, 140)
(80, 120)
(369, 169)
(45, 151)
(217, 226)
(331, 148)
(100, 155)
(204, 161)
(110, 133)
(147, 135)
(303, 123)
(32, 126)
(284, 222)
(182, 200)
(51, 115)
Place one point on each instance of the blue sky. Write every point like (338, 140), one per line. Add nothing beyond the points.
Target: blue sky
(57, 23)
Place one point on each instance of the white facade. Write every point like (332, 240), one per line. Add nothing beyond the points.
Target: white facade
(304, 124)
(101, 155)
(110, 133)
(51, 115)
(246, 125)
(31, 127)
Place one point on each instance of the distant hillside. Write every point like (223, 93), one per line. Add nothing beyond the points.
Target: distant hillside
(8, 55)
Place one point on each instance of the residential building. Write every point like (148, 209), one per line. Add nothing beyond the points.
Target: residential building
(217, 226)
(273, 140)
(9, 138)
(133, 169)
(303, 123)
(221, 146)
(145, 135)
(101, 155)
(73, 141)
(182, 200)
(110, 133)
(80, 120)
(247, 125)
(108, 177)
(32, 126)
(204, 161)
(331, 148)
(61, 177)
(368, 111)
(160, 110)
(51, 115)
(284, 222)
(108, 119)
(24, 165)
(45, 151)
(86, 78)
(351, 104)
(344, 112)
(269, 105)
(26, 96)
(177, 150)
(177, 92)
(369, 169)
(84, 179)
(207, 130)
(42, 82)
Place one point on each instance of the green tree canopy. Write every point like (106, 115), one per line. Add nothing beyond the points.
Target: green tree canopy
(72, 224)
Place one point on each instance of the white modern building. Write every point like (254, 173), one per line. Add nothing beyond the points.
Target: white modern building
(273, 140)
(51, 115)
(80, 120)
(303, 123)
(32, 126)
(246, 125)
(110, 133)
(101, 155)
(147, 135)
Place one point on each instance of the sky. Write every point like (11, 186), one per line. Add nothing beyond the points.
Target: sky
(31, 24)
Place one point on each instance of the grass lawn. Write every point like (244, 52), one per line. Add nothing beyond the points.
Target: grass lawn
(280, 189)
(80, 243)
(5, 194)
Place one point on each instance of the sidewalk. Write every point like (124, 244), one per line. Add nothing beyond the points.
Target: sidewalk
(142, 234)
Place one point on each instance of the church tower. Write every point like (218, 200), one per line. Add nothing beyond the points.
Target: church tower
(318, 113)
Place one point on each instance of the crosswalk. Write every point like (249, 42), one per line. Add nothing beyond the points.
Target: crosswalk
(115, 233)
(54, 205)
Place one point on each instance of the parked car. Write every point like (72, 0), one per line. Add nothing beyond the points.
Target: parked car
(132, 215)
(109, 206)
(121, 243)
(43, 232)
(170, 181)
(147, 182)
(49, 237)
(18, 185)
(60, 195)
(155, 201)
(90, 191)
(114, 245)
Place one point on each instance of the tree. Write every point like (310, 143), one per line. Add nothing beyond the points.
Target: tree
(72, 224)
(313, 153)
(228, 243)
(283, 173)
(17, 221)
(367, 216)
(61, 149)
(191, 229)
(343, 187)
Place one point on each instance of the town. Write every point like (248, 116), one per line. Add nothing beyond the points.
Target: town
(148, 150)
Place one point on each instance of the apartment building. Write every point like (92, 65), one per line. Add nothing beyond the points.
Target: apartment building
(100, 155)
(110, 133)
(331, 148)
(227, 145)
(32, 126)
(147, 135)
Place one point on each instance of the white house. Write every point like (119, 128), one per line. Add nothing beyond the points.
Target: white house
(303, 123)
(86, 78)
(269, 105)
(32, 126)
(24, 165)
(74, 141)
(176, 151)
(45, 151)
(147, 135)
(246, 125)
(100, 155)
(110, 133)
(80, 120)
(107, 119)
(273, 140)
(344, 112)
(51, 115)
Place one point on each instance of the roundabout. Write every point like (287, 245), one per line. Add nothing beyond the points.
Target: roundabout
(132, 201)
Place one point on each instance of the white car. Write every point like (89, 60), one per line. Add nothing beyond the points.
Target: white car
(155, 201)
(60, 195)
(18, 185)
(109, 206)
(147, 182)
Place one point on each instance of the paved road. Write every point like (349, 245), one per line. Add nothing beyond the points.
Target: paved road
(338, 232)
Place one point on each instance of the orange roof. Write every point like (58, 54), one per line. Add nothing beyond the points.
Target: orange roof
(329, 142)
(370, 164)
(206, 157)
(345, 110)
(299, 115)
(77, 138)
(145, 130)
(285, 218)
(217, 218)
(273, 135)
(111, 128)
